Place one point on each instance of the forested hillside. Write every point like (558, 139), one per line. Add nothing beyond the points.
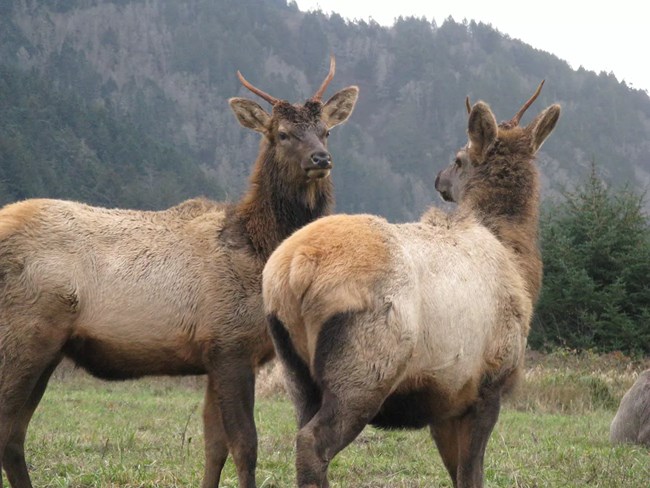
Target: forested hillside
(60, 145)
(124, 102)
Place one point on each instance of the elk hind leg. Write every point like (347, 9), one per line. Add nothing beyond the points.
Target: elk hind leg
(30, 349)
(356, 372)
(304, 391)
(27, 360)
(13, 459)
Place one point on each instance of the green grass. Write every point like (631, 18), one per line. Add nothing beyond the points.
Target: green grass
(147, 433)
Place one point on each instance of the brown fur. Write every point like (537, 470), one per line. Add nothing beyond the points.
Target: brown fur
(128, 293)
(415, 324)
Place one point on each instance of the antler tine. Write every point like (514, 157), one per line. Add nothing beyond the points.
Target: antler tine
(257, 91)
(515, 120)
(330, 75)
(468, 105)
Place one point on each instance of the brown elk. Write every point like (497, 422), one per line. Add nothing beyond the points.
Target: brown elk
(414, 325)
(128, 293)
(631, 424)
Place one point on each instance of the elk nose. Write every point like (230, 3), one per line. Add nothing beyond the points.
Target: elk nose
(437, 181)
(321, 159)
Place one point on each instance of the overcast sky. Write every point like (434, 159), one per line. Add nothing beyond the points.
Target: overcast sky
(600, 36)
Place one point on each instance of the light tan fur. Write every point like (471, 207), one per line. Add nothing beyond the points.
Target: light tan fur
(345, 273)
(419, 323)
(347, 263)
(93, 264)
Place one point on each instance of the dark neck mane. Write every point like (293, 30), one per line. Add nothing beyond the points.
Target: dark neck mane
(273, 207)
(504, 196)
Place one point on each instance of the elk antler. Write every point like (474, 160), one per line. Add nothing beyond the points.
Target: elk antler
(467, 104)
(328, 78)
(513, 122)
(257, 91)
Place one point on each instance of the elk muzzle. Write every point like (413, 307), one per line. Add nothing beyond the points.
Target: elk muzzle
(319, 165)
(443, 186)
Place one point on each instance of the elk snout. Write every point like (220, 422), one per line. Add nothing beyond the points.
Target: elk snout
(443, 187)
(321, 160)
(320, 164)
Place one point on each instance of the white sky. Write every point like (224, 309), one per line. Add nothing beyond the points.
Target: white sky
(612, 36)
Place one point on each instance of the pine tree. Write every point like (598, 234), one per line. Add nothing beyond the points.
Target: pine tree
(596, 251)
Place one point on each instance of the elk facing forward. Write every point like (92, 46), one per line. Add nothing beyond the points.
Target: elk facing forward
(414, 325)
(129, 293)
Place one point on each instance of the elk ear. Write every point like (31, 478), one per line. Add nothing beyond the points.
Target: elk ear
(340, 106)
(482, 131)
(542, 126)
(250, 114)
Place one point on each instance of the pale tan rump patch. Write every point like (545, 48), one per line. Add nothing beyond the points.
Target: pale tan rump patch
(329, 266)
(16, 215)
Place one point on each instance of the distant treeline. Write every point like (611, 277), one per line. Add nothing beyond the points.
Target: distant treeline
(168, 68)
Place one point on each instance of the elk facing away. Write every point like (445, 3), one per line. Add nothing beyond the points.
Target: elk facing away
(414, 325)
(132, 293)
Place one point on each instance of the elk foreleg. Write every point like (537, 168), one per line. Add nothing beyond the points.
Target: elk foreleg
(216, 441)
(474, 429)
(232, 381)
(445, 435)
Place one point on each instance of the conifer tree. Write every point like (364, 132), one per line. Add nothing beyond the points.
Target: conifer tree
(596, 251)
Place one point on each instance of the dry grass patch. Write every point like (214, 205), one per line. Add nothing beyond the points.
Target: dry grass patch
(567, 381)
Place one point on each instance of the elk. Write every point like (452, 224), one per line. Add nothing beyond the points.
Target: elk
(127, 293)
(419, 324)
(631, 424)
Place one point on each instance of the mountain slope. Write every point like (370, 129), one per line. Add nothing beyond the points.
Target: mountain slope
(170, 67)
(61, 146)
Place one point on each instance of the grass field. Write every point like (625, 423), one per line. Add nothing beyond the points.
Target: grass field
(147, 433)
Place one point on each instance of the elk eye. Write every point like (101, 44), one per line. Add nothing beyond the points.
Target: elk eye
(283, 136)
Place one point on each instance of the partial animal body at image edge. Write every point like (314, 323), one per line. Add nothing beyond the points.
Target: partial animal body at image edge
(132, 293)
(415, 325)
(631, 424)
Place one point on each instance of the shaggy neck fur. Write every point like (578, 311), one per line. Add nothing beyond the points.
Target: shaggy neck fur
(274, 207)
(504, 196)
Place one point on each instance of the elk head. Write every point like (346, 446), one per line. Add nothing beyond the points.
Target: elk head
(507, 142)
(297, 134)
